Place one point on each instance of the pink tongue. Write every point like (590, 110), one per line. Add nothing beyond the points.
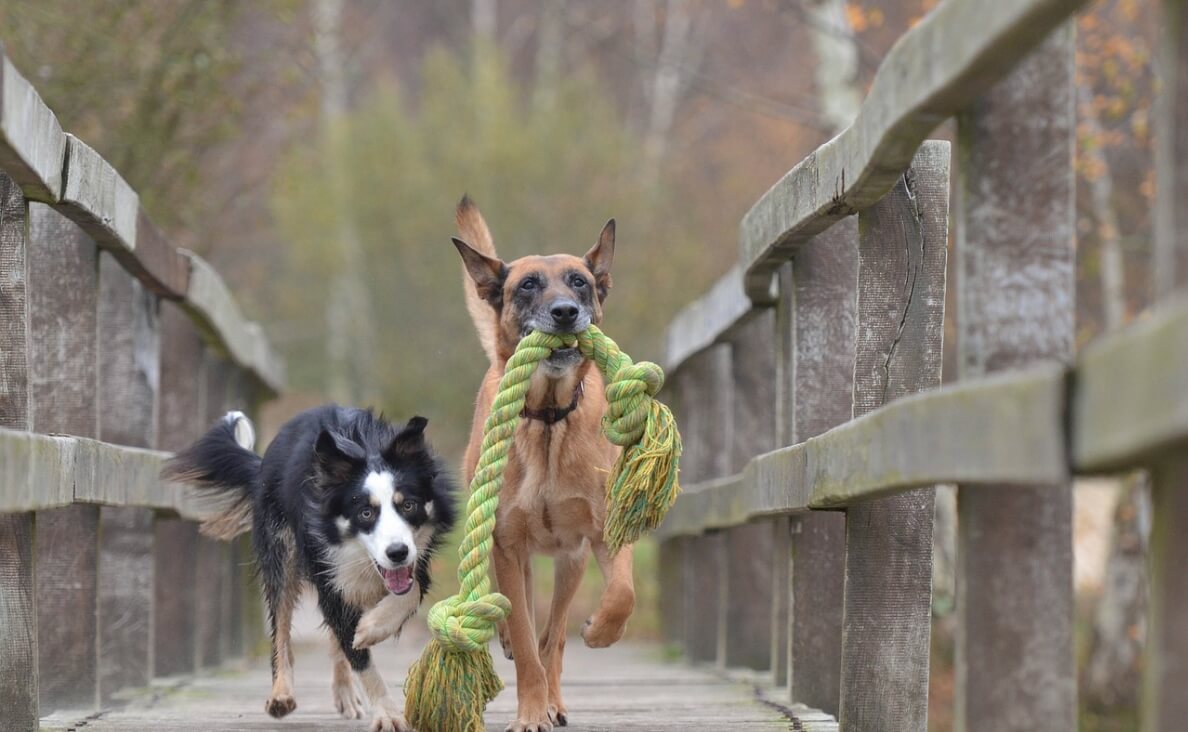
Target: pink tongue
(398, 581)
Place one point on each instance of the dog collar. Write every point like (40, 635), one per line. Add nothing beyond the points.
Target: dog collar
(553, 415)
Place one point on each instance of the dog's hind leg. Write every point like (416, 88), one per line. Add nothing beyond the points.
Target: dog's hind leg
(567, 576)
(348, 696)
(605, 627)
(277, 559)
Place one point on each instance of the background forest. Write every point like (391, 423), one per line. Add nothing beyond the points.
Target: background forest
(313, 151)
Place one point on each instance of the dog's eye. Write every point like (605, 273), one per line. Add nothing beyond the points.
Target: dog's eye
(408, 506)
(577, 282)
(529, 284)
(366, 514)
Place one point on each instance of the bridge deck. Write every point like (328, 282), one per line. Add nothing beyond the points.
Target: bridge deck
(626, 687)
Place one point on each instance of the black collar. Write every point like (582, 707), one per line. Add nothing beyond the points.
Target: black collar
(553, 415)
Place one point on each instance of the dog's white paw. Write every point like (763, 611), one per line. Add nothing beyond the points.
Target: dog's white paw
(347, 698)
(388, 718)
(370, 631)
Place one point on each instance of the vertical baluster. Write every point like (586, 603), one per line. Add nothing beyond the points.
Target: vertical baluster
(212, 557)
(902, 251)
(129, 349)
(18, 621)
(1015, 248)
(64, 367)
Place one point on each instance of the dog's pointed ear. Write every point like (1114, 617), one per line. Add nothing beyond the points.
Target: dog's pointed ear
(600, 258)
(487, 273)
(336, 455)
(408, 442)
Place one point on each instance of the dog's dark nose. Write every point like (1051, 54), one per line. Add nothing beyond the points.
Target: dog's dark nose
(564, 312)
(397, 552)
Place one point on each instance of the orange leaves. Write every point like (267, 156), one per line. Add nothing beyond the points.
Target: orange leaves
(861, 19)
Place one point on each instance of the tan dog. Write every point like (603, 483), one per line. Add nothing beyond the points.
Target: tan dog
(554, 497)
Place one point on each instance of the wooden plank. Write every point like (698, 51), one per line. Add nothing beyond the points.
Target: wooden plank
(784, 342)
(1165, 674)
(1170, 260)
(748, 577)
(1015, 248)
(63, 365)
(18, 614)
(933, 72)
(215, 312)
(32, 145)
(129, 376)
(1130, 392)
(102, 203)
(823, 286)
(706, 320)
(210, 565)
(903, 245)
(998, 429)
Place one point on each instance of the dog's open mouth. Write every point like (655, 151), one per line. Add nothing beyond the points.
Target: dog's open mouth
(399, 580)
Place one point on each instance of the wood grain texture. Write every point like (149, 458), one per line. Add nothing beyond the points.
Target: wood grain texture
(708, 319)
(63, 364)
(32, 145)
(14, 307)
(129, 351)
(125, 617)
(1170, 261)
(903, 243)
(823, 285)
(18, 625)
(1015, 249)
(1165, 675)
(932, 73)
(748, 584)
(215, 312)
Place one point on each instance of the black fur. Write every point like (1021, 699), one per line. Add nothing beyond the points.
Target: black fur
(310, 479)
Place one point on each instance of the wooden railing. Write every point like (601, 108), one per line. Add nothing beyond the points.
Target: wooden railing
(113, 345)
(807, 384)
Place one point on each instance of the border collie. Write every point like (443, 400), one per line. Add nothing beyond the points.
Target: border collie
(345, 501)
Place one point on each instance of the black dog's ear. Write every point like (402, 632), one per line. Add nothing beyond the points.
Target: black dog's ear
(488, 273)
(408, 442)
(337, 455)
(600, 258)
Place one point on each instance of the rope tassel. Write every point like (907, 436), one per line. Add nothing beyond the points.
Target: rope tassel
(454, 680)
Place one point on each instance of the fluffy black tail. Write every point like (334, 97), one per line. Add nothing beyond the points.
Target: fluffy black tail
(225, 470)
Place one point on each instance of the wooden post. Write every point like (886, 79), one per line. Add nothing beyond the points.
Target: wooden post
(673, 613)
(705, 391)
(18, 615)
(212, 557)
(1015, 248)
(749, 570)
(64, 366)
(181, 419)
(819, 322)
(903, 241)
(1165, 676)
(128, 382)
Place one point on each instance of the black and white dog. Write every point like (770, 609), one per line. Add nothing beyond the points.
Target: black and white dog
(341, 499)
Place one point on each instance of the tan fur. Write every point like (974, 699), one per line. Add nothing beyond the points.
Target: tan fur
(553, 496)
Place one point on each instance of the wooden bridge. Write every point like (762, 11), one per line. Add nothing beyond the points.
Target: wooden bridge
(796, 569)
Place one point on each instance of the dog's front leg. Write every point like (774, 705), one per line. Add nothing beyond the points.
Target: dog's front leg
(532, 690)
(605, 627)
(386, 619)
(386, 714)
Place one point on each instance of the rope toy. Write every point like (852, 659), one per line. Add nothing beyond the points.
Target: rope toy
(450, 686)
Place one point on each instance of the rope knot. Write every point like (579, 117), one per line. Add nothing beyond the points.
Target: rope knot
(467, 625)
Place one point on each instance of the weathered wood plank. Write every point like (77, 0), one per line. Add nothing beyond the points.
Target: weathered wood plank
(18, 614)
(210, 303)
(129, 377)
(1170, 260)
(748, 577)
(708, 319)
(823, 286)
(97, 198)
(32, 145)
(1165, 675)
(1015, 248)
(903, 246)
(933, 72)
(63, 364)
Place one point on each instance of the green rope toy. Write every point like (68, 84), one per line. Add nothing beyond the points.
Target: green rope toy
(450, 686)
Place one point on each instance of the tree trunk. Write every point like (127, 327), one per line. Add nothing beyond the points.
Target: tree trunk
(679, 50)
(836, 70)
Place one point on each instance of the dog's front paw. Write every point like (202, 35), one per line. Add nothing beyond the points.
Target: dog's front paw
(387, 718)
(370, 631)
(347, 699)
(278, 705)
(601, 631)
(531, 722)
(558, 715)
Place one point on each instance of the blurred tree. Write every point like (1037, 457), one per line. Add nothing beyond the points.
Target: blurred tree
(547, 177)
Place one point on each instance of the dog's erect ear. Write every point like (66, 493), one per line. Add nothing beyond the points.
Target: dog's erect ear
(408, 442)
(601, 257)
(488, 273)
(337, 455)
